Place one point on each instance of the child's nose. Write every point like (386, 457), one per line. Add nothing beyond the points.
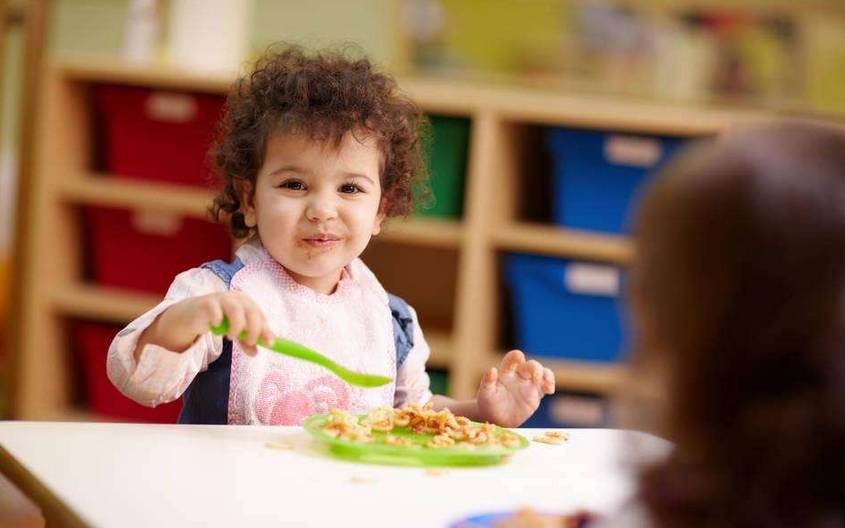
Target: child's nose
(320, 209)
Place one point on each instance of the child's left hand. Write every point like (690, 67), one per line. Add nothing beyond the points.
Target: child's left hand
(510, 394)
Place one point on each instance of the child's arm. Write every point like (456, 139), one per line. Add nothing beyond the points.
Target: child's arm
(179, 326)
(508, 395)
(153, 363)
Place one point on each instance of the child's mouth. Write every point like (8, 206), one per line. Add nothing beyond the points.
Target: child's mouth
(321, 241)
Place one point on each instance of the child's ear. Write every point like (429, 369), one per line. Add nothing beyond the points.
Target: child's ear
(382, 207)
(377, 223)
(244, 189)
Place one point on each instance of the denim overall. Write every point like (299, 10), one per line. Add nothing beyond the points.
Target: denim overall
(206, 400)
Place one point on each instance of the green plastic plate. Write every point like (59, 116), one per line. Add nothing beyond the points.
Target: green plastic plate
(378, 452)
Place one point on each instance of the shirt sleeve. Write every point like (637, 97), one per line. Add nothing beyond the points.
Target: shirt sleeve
(412, 383)
(161, 375)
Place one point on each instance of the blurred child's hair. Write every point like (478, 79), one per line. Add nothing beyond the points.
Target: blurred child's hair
(737, 292)
(324, 96)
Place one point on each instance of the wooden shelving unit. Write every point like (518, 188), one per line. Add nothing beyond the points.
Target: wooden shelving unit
(464, 341)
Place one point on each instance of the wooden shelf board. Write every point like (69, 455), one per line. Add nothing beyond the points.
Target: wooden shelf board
(102, 303)
(556, 241)
(71, 413)
(110, 191)
(424, 231)
(81, 414)
(469, 98)
(587, 376)
(559, 107)
(160, 76)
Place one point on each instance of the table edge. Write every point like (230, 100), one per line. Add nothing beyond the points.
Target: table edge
(56, 512)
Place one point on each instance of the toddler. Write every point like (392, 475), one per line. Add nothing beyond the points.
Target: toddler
(315, 151)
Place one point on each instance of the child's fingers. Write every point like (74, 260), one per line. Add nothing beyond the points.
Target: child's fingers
(215, 313)
(237, 319)
(548, 381)
(254, 325)
(526, 370)
(512, 361)
(267, 335)
(488, 381)
(536, 370)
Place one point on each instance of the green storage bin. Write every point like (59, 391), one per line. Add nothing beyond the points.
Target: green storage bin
(439, 382)
(447, 162)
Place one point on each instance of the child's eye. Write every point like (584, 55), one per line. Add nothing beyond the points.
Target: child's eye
(350, 188)
(293, 185)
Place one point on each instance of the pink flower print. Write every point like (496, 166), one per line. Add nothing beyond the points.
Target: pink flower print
(271, 389)
(327, 393)
(277, 404)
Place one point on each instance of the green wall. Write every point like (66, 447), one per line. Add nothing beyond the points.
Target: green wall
(95, 27)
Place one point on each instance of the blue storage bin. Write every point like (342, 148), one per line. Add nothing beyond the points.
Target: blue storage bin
(596, 175)
(565, 309)
(564, 409)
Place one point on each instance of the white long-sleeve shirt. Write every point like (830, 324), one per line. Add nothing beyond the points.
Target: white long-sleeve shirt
(352, 326)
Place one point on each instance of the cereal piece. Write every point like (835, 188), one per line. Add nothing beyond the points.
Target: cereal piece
(441, 440)
(345, 426)
(361, 480)
(401, 418)
(434, 472)
(509, 440)
(558, 434)
(282, 446)
(381, 419)
(398, 440)
(548, 440)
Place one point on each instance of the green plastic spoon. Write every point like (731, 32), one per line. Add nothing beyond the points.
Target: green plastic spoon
(293, 349)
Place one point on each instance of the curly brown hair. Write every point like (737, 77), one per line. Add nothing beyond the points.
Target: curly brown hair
(739, 296)
(324, 95)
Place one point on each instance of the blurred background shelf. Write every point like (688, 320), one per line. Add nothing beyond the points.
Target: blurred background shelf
(89, 301)
(557, 241)
(109, 191)
(424, 231)
(465, 97)
(589, 377)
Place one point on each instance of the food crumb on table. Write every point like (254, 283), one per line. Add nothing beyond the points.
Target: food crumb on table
(552, 437)
(282, 446)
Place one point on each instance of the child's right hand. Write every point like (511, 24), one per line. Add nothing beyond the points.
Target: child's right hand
(180, 325)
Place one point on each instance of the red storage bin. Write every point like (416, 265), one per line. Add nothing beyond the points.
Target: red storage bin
(92, 341)
(154, 135)
(145, 250)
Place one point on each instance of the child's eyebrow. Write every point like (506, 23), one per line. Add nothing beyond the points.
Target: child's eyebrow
(287, 168)
(354, 175)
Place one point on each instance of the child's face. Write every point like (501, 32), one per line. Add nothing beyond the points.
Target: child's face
(316, 205)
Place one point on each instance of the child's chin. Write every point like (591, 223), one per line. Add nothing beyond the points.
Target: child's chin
(315, 272)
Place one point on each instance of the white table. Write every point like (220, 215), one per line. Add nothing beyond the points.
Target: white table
(167, 475)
